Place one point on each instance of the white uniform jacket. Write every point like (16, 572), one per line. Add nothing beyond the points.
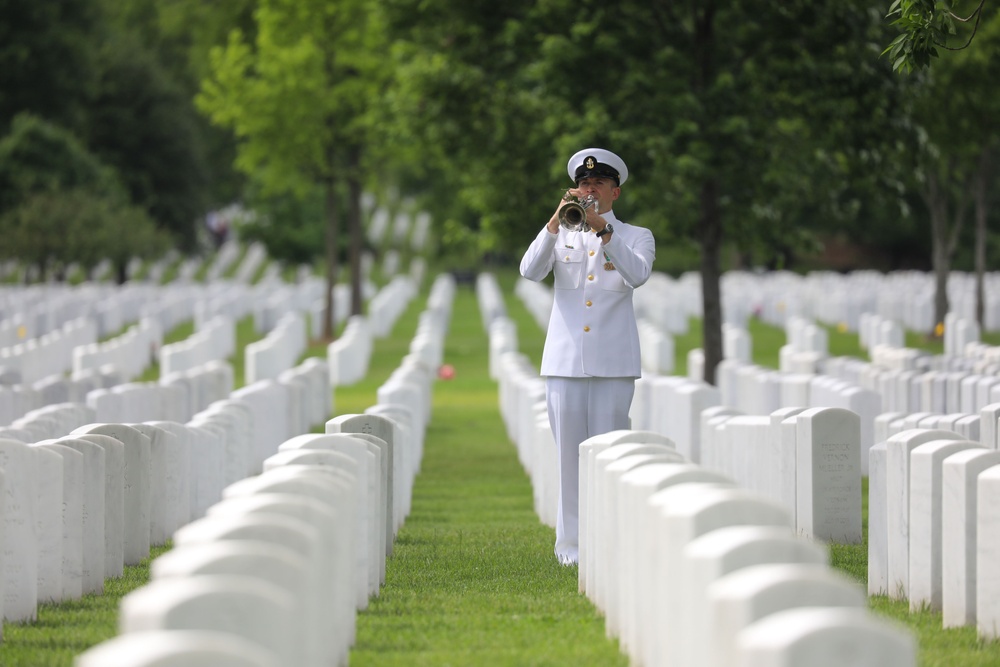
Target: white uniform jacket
(592, 330)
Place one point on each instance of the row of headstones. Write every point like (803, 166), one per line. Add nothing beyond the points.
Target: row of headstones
(934, 525)
(278, 350)
(350, 355)
(537, 298)
(236, 459)
(415, 228)
(937, 384)
(75, 346)
(222, 260)
(951, 400)
(687, 568)
(131, 353)
(766, 453)
(692, 571)
(303, 296)
(121, 498)
(281, 564)
(681, 407)
(50, 353)
(386, 306)
(836, 299)
(805, 460)
(756, 390)
(521, 392)
(31, 311)
(156, 308)
(842, 300)
(657, 348)
(786, 455)
(154, 270)
(668, 303)
(213, 340)
(305, 618)
(408, 387)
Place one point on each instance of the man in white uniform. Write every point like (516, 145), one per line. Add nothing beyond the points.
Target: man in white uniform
(591, 355)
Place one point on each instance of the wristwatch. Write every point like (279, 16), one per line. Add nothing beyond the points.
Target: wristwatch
(607, 230)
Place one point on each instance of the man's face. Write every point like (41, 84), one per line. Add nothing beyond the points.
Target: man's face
(603, 188)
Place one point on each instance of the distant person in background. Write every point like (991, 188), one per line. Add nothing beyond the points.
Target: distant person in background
(218, 226)
(591, 355)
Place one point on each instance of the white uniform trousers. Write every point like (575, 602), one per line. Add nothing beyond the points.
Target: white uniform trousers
(580, 408)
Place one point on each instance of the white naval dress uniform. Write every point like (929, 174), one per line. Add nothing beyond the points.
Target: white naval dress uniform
(591, 354)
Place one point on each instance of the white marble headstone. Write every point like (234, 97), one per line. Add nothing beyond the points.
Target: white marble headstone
(637, 487)
(716, 554)
(283, 529)
(273, 563)
(828, 482)
(897, 484)
(177, 648)
(745, 596)
(683, 513)
(72, 520)
(310, 510)
(988, 554)
(959, 480)
(49, 522)
(256, 610)
(114, 500)
(20, 554)
(371, 501)
(925, 519)
(380, 427)
(136, 488)
(825, 637)
(94, 494)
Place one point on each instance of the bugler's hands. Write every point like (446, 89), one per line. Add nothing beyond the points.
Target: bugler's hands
(594, 220)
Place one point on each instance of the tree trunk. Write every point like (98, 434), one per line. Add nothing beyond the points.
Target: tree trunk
(332, 264)
(121, 272)
(709, 217)
(710, 240)
(937, 205)
(354, 222)
(982, 181)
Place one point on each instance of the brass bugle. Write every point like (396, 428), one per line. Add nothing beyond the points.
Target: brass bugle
(573, 214)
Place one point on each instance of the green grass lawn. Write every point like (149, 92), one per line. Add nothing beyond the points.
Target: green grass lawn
(473, 580)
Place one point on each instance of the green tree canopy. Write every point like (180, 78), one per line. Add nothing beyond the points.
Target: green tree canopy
(38, 156)
(48, 54)
(928, 26)
(296, 97)
(144, 124)
(56, 228)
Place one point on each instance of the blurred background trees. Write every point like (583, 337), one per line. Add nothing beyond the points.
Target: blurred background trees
(759, 135)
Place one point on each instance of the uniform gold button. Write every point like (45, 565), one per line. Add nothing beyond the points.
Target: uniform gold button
(590, 277)
(586, 328)
(591, 253)
(567, 258)
(589, 304)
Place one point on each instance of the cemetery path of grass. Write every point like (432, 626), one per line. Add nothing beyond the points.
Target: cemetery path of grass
(473, 580)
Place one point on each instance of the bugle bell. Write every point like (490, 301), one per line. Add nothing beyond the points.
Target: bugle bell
(573, 214)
